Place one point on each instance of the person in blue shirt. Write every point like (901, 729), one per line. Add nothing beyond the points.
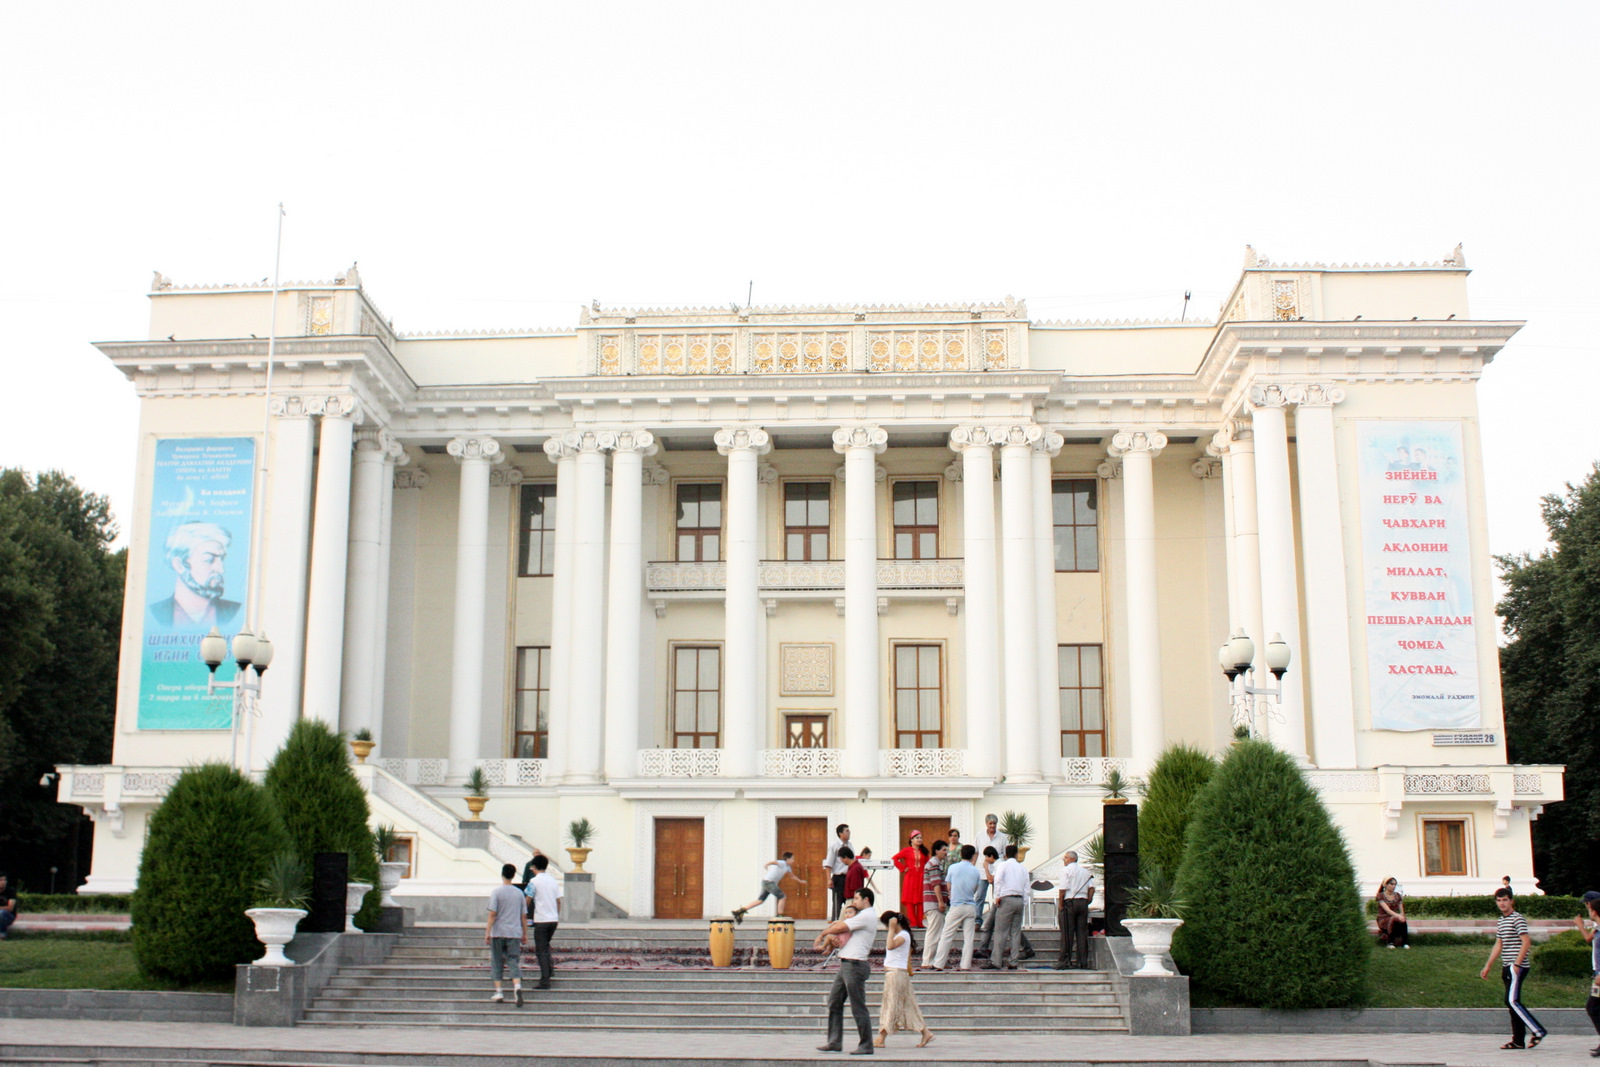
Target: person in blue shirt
(963, 881)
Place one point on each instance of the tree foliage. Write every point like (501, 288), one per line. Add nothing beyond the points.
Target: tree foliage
(323, 806)
(1274, 918)
(60, 621)
(1177, 778)
(209, 842)
(1550, 678)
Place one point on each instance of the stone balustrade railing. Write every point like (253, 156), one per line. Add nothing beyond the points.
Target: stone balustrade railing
(800, 762)
(922, 762)
(1090, 770)
(680, 762)
(664, 576)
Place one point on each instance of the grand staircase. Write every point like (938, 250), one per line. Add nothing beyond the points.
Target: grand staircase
(648, 978)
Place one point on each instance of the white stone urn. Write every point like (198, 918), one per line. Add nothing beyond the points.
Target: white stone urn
(1152, 938)
(354, 894)
(275, 928)
(389, 875)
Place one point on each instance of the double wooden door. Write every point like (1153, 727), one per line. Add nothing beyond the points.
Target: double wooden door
(808, 839)
(680, 863)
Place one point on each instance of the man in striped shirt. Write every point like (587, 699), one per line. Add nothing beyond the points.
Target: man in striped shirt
(1512, 944)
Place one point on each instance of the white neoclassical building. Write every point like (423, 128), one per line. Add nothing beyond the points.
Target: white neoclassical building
(718, 579)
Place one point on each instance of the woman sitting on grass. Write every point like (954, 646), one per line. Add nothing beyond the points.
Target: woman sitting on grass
(1392, 930)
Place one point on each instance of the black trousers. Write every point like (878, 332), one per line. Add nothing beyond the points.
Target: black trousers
(1522, 1019)
(1592, 1006)
(542, 933)
(838, 897)
(1074, 933)
(851, 982)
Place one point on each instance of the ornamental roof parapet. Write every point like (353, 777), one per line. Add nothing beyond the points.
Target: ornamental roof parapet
(597, 316)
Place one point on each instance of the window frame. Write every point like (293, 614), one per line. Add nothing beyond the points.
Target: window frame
(673, 733)
(547, 534)
(517, 689)
(941, 734)
(1468, 843)
(916, 530)
(700, 532)
(1082, 734)
(826, 718)
(808, 531)
(1055, 528)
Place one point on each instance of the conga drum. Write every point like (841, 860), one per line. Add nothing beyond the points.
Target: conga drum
(721, 942)
(780, 942)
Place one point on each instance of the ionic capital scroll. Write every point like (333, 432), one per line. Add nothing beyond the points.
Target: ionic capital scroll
(847, 437)
(475, 447)
(732, 439)
(1126, 441)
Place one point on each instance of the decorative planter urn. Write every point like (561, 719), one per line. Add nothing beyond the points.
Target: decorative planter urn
(354, 894)
(1115, 800)
(275, 928)
(362, 749)
(1152, 938)
(475, 804)
(389, 875)
(1022, 853)
(579, 857)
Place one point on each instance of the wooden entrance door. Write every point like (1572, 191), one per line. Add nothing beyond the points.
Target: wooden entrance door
(680, 868)
(808, 840)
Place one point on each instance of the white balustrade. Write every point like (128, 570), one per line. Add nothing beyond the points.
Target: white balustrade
(429, 771)
(1528, 784)
(801, 574)
(677, 577)
(665, 576)
(1343, 781)
(1448, 783)
(922, 762)
(1090, 770)
(680, 762)
(800, 762)
(513, 772)
(920, 574)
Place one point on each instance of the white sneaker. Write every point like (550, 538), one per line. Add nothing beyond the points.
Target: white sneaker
(498, 997)
(1405, 946)
(1392, 946)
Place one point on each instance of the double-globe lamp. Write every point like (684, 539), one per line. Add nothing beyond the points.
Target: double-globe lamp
(248, 651)
(1237, 655)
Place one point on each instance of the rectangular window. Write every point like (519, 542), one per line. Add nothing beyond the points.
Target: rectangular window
(805, 731)
(1083, 715)
(1075, 513)
(696, 696)
(532, 737)
(1444, 847)
(918, 697)
(916, 520)
(538, 555)
(805, 520)
(699, 522)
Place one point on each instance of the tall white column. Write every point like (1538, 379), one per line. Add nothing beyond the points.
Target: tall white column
(1138, 449)
(565, 457)
(1246, 533)
(742, 731)
(1219, 447)
(1333, 727)
(586, 678)
(282, 611)
(393, 457)
(330, 547)
(1018, 577)
(1280, 594)
(981, 604)
(474, 455)
(1044, 561)
(400, 650)
(626, 591)
(361, 581)
(860, 446)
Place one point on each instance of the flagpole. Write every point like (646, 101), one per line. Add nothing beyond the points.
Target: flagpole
(256, 567)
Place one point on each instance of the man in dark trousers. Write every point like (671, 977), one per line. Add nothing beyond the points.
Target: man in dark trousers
(851, 981)
(545, 892)
(1073, 898)
(835, 867)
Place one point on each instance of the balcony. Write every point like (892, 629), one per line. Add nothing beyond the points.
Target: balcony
(680, 762)
(1090, 770)
(800, 762)
(780, 580)
(922, 762)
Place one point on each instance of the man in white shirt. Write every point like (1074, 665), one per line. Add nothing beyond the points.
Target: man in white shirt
(851, 981)
(546, 894)
(834, 867)
(1072, 899)
(1010, 893)
(991, 837)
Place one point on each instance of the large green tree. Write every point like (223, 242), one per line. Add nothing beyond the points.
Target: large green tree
(1171, 788)
(60, 621)
(1550, 677)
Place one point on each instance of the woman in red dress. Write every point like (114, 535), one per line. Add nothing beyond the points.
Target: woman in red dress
(909, 862)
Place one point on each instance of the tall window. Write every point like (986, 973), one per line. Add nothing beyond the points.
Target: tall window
(916, 520)
(532, 739)
(1444, 846)
(538, 554)
(805, 520)
(1083, 715)
(699, 522)
(1075, 510)
(696, 696)
(918, 697)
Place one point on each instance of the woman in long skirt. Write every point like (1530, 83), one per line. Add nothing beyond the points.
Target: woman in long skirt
(909, 862)
(900, 1010)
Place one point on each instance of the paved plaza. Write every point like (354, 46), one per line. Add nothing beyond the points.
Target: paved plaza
(596, 1048)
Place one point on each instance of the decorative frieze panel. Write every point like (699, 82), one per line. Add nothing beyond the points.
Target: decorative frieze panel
(922, 762)
(668, 576)
(1528, 784)
(805, 670)
(804, 352)
(88, 785)
(1448, 783)
(800, 763)
(680, 762)
(148, 783)
(919, 574)
(1090, 770)
(922, 350)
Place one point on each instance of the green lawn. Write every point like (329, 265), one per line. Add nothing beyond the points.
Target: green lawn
(85, 961)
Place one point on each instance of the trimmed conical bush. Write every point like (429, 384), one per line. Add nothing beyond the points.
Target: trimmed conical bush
(1274, 918)
(1174, 784)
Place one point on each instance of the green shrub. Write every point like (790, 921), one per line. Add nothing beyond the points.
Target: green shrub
(1475, 907)
(73, 904)
(324, 807)
(1274, 919)
(1565, 954)
(1175, 781)
(207, 844)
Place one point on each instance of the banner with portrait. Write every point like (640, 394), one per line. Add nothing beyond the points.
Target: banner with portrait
(1422, 643)
(195, 576)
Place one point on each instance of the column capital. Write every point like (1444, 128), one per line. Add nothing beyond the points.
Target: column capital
(767, 474)
(1049, 443)
(732, 439)
(1314, 395)
(1110, 468)
(1126, 441)
(475, 447)
(1270, 395)
(640, 441)
(1206, 468)
(952, 472)
(557, 449)
(507, 475)
(656, 474)
(303, 405)
(411, 478)
(846, 438)
(589, 441)
(371, 441)
(393, 451)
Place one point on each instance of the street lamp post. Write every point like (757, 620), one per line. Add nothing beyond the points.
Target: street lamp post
(1237, 658)
(249, 653)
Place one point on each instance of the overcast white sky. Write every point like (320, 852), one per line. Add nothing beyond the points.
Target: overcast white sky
(494, 165)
